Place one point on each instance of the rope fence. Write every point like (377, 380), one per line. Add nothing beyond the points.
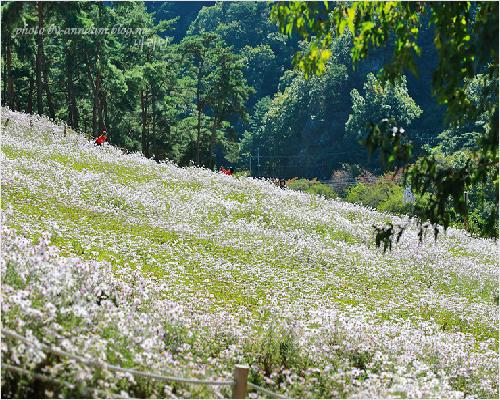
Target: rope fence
(239, 383)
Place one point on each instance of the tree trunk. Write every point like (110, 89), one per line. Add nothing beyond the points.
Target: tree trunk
(94, 118)
(144, 118)
(94, 84)
(101, 100)
(72, 107)
(30, 94)
(198, 138)
(39, 60)
(102, 123)
(100, 108)
(10, 78)
(98, 95)
(95, 107)
(200, 109)
(50, 103)
(105, 112)
(153, 120)
(213, 142)
(4, 84)
(168, 148)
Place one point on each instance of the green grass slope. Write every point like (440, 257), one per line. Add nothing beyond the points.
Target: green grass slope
(156, 267)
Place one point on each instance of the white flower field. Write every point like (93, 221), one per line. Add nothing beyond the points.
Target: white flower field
(186, 272)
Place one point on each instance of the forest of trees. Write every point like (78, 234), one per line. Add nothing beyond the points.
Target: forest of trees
(214, 84)
(205, 84)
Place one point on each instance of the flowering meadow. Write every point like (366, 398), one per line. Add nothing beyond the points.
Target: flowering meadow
(187, 272)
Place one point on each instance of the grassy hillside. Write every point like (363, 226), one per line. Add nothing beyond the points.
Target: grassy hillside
(151, 266)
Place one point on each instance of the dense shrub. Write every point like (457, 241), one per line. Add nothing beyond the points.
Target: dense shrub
(312, 186)
(482, 199)
(383, 195)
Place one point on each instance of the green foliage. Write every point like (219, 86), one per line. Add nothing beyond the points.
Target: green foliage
(475, 211)
(227, 94)
(12, 278)
(220, 94)
(245, 26)
(141, 87)
(311, 186)
(391, 141)
(467, 134)
(277, 350)
(381, 101)
(304, 132)
(464, 36)
(466, 40)
(307, 19)
(297, 129)
(154, 86)
(383, 195)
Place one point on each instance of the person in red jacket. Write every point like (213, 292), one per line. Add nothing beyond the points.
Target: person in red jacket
(101, 139)
(226, 171)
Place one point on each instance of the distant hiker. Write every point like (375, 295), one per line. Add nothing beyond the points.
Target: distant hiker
(101, 139)
(282, 184)
(228, 171)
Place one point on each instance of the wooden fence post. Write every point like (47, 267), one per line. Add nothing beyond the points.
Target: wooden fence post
(240, 376)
